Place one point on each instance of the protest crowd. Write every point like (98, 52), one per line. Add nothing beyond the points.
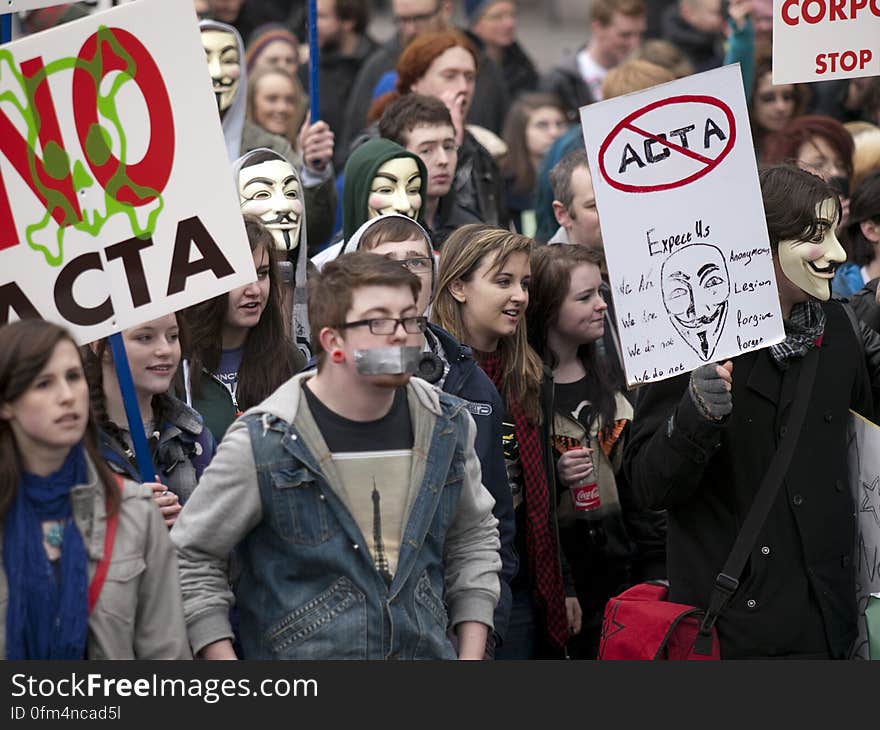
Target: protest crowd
(413, 435)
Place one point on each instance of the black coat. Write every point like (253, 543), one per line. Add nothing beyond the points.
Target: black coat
(864, 303)
(479, 184)
(566, 82)
(337, 73)
(518, 73)
(703, 50)
(797, 594)
(450, 216)
(864, 306)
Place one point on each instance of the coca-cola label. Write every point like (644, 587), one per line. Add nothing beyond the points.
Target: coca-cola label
(586, 497)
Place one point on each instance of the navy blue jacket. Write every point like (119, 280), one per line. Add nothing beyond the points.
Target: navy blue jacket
(467, 380)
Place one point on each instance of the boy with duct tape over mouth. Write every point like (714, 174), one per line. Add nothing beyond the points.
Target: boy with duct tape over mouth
(451, 367)
(394, 539)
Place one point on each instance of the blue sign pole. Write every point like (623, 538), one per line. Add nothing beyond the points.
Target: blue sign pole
(6, 28)
(314, 105)
(132, 412)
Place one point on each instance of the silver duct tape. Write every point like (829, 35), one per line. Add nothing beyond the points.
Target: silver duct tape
(387, 360)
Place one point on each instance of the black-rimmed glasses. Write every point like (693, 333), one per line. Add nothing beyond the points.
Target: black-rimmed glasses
(388, 325)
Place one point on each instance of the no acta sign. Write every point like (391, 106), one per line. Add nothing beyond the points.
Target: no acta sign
(667, 144)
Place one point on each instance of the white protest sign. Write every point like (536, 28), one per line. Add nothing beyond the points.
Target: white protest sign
(864, 474)
(17, 6)
(683, 227)
(117, 203)
(820, 40)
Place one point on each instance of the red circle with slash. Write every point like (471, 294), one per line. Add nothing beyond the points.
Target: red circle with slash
(709, 164)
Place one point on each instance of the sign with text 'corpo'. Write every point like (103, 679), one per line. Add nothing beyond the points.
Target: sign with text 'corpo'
(682, 222)
(116, 200)
(820, 40)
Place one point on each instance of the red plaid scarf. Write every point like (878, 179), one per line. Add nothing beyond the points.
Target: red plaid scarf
(541, 542)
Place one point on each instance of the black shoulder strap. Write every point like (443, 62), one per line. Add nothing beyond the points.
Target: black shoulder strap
(727, 581)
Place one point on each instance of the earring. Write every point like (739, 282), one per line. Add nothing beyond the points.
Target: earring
(337, 356)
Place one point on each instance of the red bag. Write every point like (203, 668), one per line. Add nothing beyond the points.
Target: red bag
(641, 624)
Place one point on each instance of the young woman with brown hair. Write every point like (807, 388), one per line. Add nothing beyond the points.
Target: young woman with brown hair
(240, 350)
(64, 517)
(535, 121)
(608, 542)
(181, 446)
(482, 295)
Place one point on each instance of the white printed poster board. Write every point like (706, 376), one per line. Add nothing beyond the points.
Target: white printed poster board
(117, 203)
(17, 6)
(683, 226)
(864, 473)
(821, 40)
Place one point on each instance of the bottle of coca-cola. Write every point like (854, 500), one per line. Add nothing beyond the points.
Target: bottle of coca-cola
(587, 502)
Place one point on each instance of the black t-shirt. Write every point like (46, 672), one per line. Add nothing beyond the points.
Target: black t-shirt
(570, 400)
(374, 462)
(391, 432)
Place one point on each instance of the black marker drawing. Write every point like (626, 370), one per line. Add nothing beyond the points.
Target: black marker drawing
(696, 288)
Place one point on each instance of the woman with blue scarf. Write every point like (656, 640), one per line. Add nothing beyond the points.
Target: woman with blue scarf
(88, 570)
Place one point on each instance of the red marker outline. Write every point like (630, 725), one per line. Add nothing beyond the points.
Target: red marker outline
(626, 123)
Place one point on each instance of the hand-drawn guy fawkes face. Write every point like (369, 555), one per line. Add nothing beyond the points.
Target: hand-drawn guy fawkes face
(224, 63)
(696, 288)
(811, 264)
(270, 190)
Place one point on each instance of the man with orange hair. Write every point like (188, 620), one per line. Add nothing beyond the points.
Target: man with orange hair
(414, 18)
(445, 65)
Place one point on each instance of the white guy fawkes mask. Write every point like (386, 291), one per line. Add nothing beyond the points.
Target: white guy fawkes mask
(810, 265)
(695, 287)
(224, 64)
(396, 189)
(270, 190)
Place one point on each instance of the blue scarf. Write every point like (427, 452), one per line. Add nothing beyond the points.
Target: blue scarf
(47, 617)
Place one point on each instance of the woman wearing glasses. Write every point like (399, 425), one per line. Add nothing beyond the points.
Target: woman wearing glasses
(482, 295)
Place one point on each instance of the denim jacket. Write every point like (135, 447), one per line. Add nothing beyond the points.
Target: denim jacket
(308, 587)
